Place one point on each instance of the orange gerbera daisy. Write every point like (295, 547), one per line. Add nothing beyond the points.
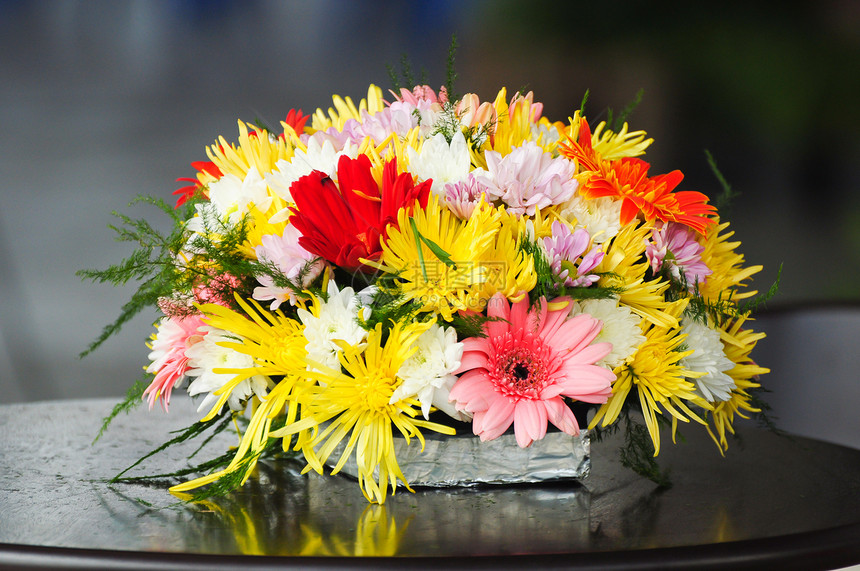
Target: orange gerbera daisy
(627, 179)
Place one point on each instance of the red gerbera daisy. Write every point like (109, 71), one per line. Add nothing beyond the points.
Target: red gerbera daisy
(343, 225)
(189, 191)
(296, 120)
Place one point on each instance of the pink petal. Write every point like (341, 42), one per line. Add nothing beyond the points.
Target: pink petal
(529, 422)
(561, 416)
(478, 423)
(480, 344)
(583, 328)
(498, 417)
(471, 390)
(472, 360)
(498, 307)
(590, 354)
(572, 335)
(553, 320)
(521, 318)
(588, 383)
(552, 390)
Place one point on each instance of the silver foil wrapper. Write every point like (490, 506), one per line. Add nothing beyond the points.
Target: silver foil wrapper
(464, 460)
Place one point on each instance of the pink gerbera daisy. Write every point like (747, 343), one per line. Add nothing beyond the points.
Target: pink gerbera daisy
(169, 362)
(527, 362)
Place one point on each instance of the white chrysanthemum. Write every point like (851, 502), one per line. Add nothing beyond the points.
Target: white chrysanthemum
(428, 114)
(428, 373)
(545, 135)
(320, 155)
(205, 221)
(600, 216)
(709, 357)
(232, 196)
(206, 356)
(338, 319)
(620, 328)
(440, 161)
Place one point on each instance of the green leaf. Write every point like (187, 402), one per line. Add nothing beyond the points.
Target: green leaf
(443, 256)
(724, 200)
(582, 105)
(132, 399)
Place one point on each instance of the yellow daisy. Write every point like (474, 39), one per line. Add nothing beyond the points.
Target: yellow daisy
(259, 225)
(738, 343)
(728, 275)
(356, 402)
(345, 109)
(508, 269)
(624, 265)
(254, 149)
(612, 146)
(514, 123)
(660, 380)
(277, 345)
(450, 283)
(274, 341)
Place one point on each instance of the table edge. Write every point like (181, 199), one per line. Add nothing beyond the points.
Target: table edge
(820, 549)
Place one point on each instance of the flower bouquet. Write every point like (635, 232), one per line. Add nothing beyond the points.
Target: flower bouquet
(437, 265)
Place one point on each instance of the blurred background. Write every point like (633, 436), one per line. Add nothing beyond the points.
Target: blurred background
(101, 101)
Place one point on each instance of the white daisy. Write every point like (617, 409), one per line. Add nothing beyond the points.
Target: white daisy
(320, 155)
(337, 319)
(442, 162)
(545, 135)
(206, 356)
(709, 357)
(620, 328)
(231, 196)
(600, 216)
(428, 373)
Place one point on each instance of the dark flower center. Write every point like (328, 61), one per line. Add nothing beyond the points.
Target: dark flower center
(520, 372)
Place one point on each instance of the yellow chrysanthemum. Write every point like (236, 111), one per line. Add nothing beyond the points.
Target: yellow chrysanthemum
(624, 265)
(540, 225)
(437, 285)
(345, 109)
(738, 343)
(612, 146)
(356, 402)
(392, 147)
(660, 380)
(254, 149)
(277, 345)
(259, 225)
(274, 341)
(514, 122)
(508, 269)
(727, 265)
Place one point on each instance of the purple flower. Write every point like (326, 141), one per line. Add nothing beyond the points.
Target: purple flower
(673, 247)
(567, 254)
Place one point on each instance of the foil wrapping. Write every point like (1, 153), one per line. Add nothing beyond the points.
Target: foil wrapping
(464, 460)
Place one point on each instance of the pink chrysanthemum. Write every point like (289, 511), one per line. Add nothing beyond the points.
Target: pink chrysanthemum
(169, 362)
(297, 264)
(529, 178)
(528, 361)
(421, 93)
(567, 254)
(462, 197)
(674, 247)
